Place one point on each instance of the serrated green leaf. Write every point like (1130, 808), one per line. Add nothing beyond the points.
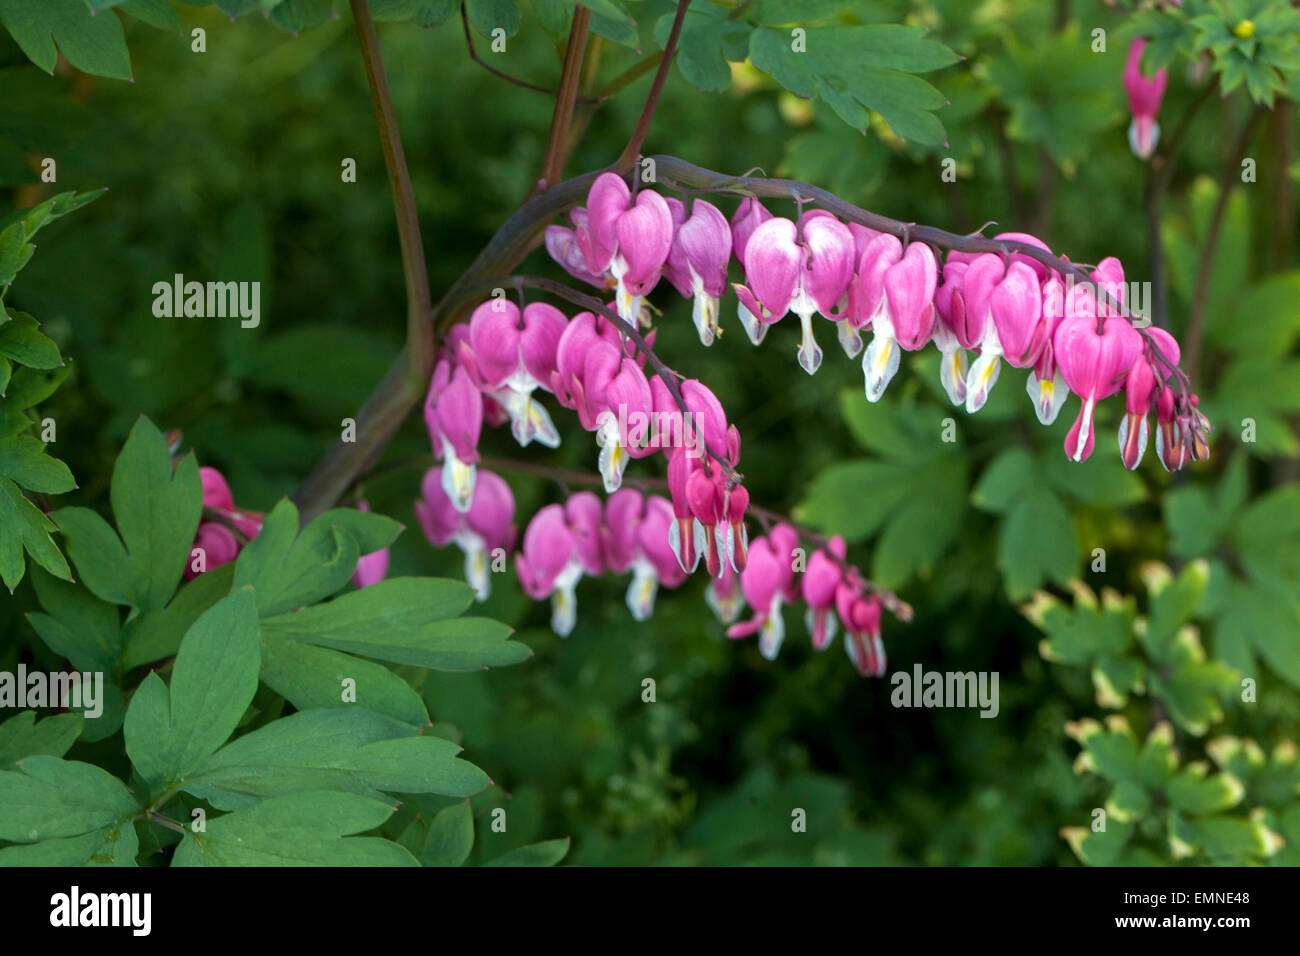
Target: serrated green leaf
(23, 459)
(93, 44)
(406, 621)
(47, 798)
(169, 733)
(21, 341)
(298, 829)
(22, 736)
(24, 528)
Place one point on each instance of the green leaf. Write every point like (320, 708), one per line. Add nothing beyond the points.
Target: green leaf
(1193, 792)
(48, 798)
(93, 44)
(426, 13)
(299, 829)
(406, 621)
(157, 512)
(346, 748)
(24, 528)
(213, 682)
(1101, 848)
(20, 340)
(289, 572)
(98, 554)
(77, 625)
(1036, 543)
(21, 736)
(115, 845)
(547, 853)
(860, 66)
(156, 13)
(24, 460)
(312, 677)
(708, 32)
(158, 634)
(30, 386)
(488, 15)
(1174, 601)
(298, 15)
(451, 836)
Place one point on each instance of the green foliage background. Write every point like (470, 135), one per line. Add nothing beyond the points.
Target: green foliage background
(227, 164)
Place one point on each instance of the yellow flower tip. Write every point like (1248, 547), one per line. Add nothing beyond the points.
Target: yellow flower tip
(1244, 30)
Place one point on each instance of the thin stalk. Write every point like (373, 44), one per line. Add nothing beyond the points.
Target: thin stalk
(633, 148)
(557, 144)
(419, 329)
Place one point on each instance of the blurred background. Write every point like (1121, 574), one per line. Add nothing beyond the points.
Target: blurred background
(227, 164)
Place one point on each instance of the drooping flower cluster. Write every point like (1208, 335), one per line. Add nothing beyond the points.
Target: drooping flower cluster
(834, 594)
(583, 538)
(1005, 307)
(981, 310)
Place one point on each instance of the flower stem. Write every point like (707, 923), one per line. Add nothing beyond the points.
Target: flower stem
(419, 329)
(557, 143)
(633, 148)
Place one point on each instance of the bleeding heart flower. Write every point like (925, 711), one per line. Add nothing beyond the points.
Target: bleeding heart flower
(1140, 385)
(513, 354)
(630, 239)
(484, 534)
(697, 262)
(453, 413)
(905, 315)
(1094, 366)
(819, 584)
(1144, 96)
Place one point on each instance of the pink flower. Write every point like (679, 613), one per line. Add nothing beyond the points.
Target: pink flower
(1004, 310)
(215, 542)
(772, 262)
(819, 584)
(1140, 385)
(901, 314)
(723, 596)
(749, 215)
(697, 261)
(511, 355)
(549, 566)
(1094, 366)
(860, 614)
(1045, 386)
(1144, 96)
(373, 567)
(630, 239)
(613, 394)
(453, 413)
(214, 545)
(766, 583)
(805, 269)
(216, 493)
(485, 533)
(563, 246)
(636, 540)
